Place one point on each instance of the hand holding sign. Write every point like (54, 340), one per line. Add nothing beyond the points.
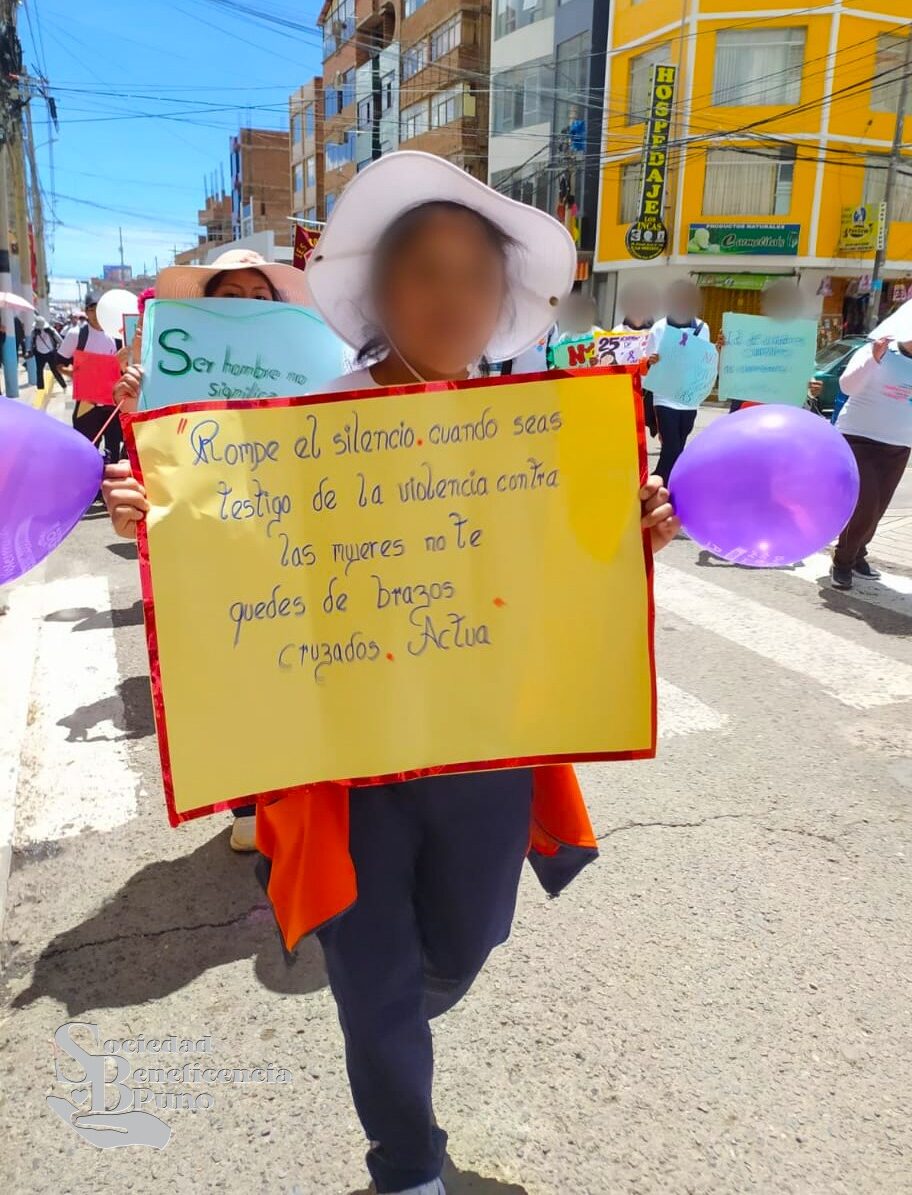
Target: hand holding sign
(686, 367)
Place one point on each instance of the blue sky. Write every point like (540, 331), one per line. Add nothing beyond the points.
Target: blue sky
(197, 69)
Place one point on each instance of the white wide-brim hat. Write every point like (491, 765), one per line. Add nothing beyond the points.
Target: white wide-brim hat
(189, 282)
(898, 325)
(541, 260)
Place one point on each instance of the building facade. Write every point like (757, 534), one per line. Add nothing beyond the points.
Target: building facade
(547, 84)
(215, 220)
(260, 187)
(410, 74)
(778, 137)
(305, 123)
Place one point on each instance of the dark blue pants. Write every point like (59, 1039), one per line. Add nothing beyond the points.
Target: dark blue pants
(674, 428)
(438, 862)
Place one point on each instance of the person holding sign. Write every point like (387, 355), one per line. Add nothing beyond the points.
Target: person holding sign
(410, 885)
(675, 419)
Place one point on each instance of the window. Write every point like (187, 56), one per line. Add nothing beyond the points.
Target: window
(330, 203)
(638, 83)
(412, 6)
(387, 91)
(298, 178)
(296, 128)
(414, 60)
(888, 65)
(875, 181)
(446, 106)
(758, 66)
(310, 171)
(523, 97)
(631, 179)
(414, 120)
(571, 83)
(339, 26)
(309, 121)
(446, 38)
(338, 98)
(311, 215)
(742, 183)
(338, 153)
(510, 15)
(365, 113)
(531, 185)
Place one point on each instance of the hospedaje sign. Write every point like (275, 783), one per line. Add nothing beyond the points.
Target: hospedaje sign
(863, 229)
(754, 240)
(647, 236)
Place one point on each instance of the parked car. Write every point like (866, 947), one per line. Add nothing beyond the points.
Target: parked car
(830, 363)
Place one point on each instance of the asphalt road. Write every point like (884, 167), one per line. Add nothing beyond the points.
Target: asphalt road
(720, 1005)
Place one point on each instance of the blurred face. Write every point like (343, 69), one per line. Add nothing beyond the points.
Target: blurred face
(92, 317)
(782, 301)
(683, 302)
(577, 314)
(638, 303)
(242, 284)
(442, 293)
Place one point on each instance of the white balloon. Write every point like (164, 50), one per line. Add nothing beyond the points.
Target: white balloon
(112, 307)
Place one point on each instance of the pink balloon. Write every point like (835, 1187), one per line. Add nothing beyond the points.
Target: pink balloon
(49, 476)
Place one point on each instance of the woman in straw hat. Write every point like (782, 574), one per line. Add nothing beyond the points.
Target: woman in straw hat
(236, 274)
(409, 886)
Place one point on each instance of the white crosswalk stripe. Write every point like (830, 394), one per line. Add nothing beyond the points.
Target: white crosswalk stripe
(681, 713)
(892, 592)
(853, 674)
(75, 770)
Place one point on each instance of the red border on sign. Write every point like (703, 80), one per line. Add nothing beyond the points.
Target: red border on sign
(145, 572)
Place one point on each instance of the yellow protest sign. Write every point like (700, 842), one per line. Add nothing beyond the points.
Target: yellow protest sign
(358, 587)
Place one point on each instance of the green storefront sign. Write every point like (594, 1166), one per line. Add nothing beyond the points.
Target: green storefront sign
(755, 240)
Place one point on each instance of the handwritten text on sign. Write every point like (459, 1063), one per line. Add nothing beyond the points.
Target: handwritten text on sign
(686, 369)
(365, 587)
(767, 360)
(203, 349)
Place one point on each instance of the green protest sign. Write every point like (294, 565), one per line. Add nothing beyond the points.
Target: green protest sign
(767, 360)
(204, 349)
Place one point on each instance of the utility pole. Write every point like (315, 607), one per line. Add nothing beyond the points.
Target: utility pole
(8, 117)
(41, 294)
(892, 166)
(20, 203)
(120, 236)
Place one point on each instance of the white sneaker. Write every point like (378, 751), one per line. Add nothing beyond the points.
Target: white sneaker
(243, 835)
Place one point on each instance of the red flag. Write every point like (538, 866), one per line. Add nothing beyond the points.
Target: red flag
(94, 378)
(304, 244)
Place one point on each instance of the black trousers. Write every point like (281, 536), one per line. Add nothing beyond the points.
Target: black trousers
(45, 361)
(674, 428)
(438, 862)
(90, 424)
(880, 470)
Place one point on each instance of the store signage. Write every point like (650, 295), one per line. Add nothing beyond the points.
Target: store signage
(753, 240)
(863, 229)
(647, 236)
(738, 281)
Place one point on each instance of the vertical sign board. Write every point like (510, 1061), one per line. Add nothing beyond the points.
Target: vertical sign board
(647, 237)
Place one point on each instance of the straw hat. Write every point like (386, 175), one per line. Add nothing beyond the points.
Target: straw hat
(189, 282)
(541, 264)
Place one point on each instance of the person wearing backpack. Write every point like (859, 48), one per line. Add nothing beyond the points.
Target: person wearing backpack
(43, 345)
(675, 420)
(88, 418)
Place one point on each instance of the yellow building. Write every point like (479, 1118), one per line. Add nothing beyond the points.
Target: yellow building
(779, 133)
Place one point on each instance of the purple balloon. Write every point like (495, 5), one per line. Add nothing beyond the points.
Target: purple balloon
(49, 475)
(766, 486)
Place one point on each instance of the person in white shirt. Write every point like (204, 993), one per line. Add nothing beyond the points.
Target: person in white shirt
(89, 419)
(877, 424)
(427, 288)
(42, 345)
(675, 420)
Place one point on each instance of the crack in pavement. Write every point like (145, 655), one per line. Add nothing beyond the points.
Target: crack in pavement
(713, 817)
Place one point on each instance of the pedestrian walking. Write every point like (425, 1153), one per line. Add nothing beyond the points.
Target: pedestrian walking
(91, 419)
(876, 421)
(638, 304)
(675, 420)
(410, 886)
(43, 345)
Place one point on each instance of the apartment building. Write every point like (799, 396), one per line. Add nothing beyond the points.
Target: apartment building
(413, 73)
(215, 221)
(305, 123)
(547, 83)
(779, 130)
(260, 187)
